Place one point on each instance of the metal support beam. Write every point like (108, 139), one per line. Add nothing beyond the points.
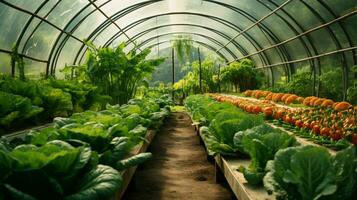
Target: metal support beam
(219, 78)
(200, 68)
(302, 34)
(173, 72)
(259, 21)
(112, 21)
(312, 57)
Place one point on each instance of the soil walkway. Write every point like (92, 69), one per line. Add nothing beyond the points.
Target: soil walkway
(178, 169)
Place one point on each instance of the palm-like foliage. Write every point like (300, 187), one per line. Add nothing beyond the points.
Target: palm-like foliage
(117, 73)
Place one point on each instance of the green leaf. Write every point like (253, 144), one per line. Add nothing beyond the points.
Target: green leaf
(100, 183)
(17, 194)
(311, 172)
(6, 163)
(344, 168)
(304, 172)
(132, 161)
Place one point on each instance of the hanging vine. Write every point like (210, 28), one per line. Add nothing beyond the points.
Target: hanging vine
(17, 60)
(182, 45)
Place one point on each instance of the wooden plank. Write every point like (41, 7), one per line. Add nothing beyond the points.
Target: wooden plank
(235, 179)
(128, 174)
(237, 182)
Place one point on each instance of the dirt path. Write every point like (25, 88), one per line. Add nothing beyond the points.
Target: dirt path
(178, 169)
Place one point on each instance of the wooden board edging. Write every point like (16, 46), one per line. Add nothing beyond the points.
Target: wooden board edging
(128, 174)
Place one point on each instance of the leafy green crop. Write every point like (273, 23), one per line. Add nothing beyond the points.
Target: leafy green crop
(78, 158)
(223, 119)
(204, 109)
(224, 126)
(15, 107)
(111, 133)
(55, 170)
(309, 172)
(261, 143)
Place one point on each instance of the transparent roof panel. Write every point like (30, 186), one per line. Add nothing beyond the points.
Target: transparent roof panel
(9, 32)
(28, 5)
(5, 63)
(168, 38)
(65, 10)
(41, 42)
(210, 22)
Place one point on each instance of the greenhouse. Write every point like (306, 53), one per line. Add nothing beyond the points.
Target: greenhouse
(178, 99)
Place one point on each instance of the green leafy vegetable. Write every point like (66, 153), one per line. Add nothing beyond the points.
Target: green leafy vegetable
(310, 172)
(261, 143)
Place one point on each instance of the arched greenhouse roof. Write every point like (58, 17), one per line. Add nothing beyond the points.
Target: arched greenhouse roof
(280, 36)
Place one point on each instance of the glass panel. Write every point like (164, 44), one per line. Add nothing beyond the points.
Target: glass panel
(68, 54)
(34, 69)
(257, 60)
(65, 11)
(341, 7)
(28, 5)
(34, 23)
(5, 63)
(302, 14)
(89, 25)
(40, 43)
(47, 8)
(322, 41)
(351, 24)
(296, 50)
(9, 31)
(273, 56)
(279, 75)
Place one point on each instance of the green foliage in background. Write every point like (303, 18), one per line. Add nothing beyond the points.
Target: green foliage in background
(242, 75)
(331, 84)
(182, 46)
(190, 83)
(116, 73)
(352, 90)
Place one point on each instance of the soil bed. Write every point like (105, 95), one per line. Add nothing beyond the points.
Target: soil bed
(178, 169)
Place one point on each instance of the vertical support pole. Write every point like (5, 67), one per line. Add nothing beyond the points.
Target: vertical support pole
(314, 77)
(219, 78)
(200, 64)
(345, 72)
(13, 66)
(173, 73)
(72, 72)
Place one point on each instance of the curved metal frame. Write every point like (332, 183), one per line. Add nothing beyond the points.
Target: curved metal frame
(249, 17)
(233, 8)
(222, 34)
(256, 45)
(194, 41)
(283, 53)
(219, 44)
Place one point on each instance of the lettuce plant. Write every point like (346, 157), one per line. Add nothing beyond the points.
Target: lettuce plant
(55, 170)
(310, 172)
(261, 143)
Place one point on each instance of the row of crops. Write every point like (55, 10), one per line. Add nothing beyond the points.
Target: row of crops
(278, 162)
(32, 102)
(82, 156)
(332, 124)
